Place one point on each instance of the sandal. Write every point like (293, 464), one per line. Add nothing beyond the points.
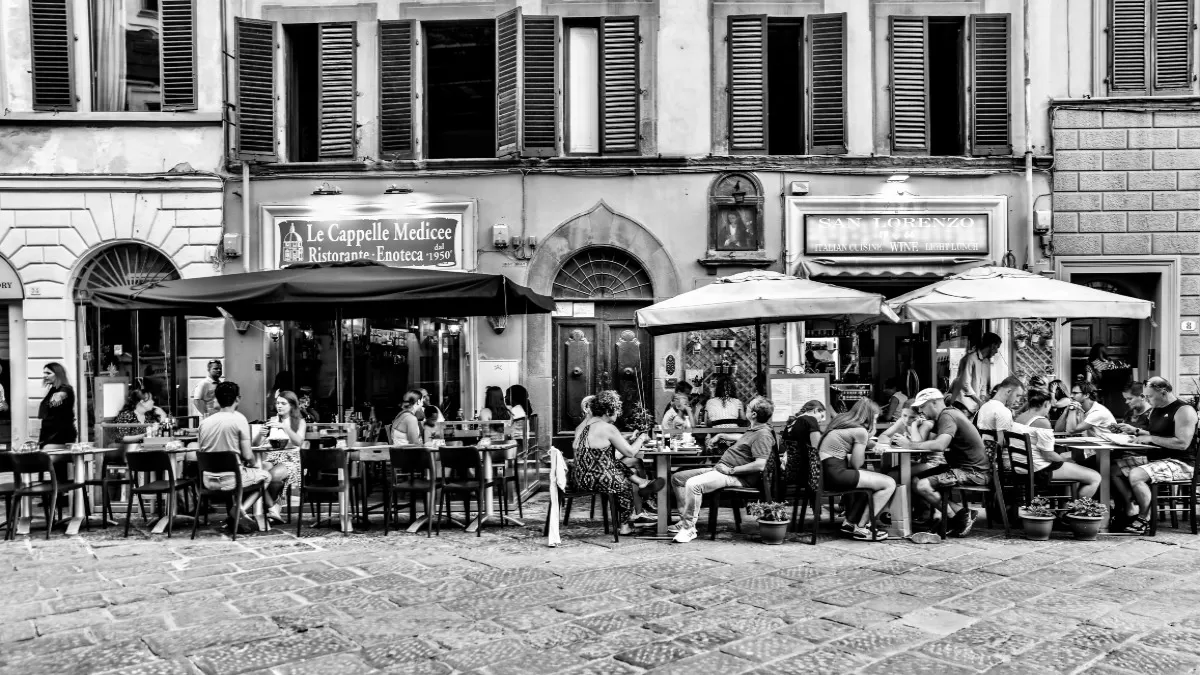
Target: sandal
(1138, 526)
(652, 488)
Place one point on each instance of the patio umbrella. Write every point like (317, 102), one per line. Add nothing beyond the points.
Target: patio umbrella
(752, 298)
(360, 289)
(992, 292)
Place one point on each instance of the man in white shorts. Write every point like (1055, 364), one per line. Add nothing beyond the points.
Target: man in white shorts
(1171, 455)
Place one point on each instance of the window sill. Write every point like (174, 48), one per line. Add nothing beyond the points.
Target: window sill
(1172, 101)
(112, 118)
(715, 260)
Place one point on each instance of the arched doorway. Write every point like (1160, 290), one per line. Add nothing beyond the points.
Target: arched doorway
(599, 346)
(125, 346)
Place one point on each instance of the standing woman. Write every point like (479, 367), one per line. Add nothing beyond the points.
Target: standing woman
(57, 411)
(284, 465)
(1099, 361)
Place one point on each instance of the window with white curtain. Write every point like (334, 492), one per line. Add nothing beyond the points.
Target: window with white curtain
(583, 89)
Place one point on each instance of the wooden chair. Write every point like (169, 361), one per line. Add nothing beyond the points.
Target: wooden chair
(608, 504)
(1179, 496)
(994, 490)
(227, 463)
(151, 463)
(1019, 449)
(413, 470)
(40, 464)
(324, 478)
(769, 486)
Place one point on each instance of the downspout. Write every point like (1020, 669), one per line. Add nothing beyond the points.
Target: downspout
(246, 214)
(1029, 216)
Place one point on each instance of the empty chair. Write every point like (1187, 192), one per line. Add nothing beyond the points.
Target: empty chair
(152, 472)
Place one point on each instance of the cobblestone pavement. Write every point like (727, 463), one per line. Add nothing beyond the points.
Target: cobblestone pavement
(505, 603)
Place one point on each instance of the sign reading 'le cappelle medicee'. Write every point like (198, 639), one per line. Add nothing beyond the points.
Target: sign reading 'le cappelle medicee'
(899, 234)
(402, 241)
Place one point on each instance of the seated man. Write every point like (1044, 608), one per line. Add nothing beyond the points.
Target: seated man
(966, 460)
(740, 466)
(1170, 456)
(228, 431)
(996, 414)
(1086, 415)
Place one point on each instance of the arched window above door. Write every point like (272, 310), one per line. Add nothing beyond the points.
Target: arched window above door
(602, 273)
(125, 264)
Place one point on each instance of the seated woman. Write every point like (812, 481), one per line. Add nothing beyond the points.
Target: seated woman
(913, 426)
(842, 450)
(406, 426)
(434, 427)
(284, 465)
(139, 410)
(517, 400)
(1059, 400)
(804, 432)
(1047, 463)
(719, 412)
(678, 416)
(596, 468)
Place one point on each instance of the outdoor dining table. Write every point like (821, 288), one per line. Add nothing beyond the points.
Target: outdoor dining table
(901, 508)
(1103, 450)
(662, 469)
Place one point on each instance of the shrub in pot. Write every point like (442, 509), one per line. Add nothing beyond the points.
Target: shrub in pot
(773, 520)
(1038, 519)
(1084, 517)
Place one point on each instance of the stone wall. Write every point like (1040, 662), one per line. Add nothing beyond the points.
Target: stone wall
(1127, 182)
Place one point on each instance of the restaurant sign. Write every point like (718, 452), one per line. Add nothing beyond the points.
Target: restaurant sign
(896, 234)
(427, 240)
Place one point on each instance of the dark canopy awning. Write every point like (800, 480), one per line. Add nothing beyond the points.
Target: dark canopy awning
(360, 288)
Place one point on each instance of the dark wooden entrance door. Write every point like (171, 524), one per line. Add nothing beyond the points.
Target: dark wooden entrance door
(607, 351)
(1121, 337)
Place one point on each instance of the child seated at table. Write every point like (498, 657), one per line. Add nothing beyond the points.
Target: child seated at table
(912, 426)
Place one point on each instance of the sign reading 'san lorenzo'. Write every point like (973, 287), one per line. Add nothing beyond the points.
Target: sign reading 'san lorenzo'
(896, 234)
(404, 241)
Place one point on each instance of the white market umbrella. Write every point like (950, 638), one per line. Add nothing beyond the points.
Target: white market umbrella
(992, 292)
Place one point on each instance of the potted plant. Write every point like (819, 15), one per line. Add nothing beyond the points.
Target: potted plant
(1020, 338)
(1038, 519)
(772, 520)
(1084, 516)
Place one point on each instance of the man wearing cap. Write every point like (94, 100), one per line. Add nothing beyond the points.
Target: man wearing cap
(966, 461)
(975, 373)
(204, 396)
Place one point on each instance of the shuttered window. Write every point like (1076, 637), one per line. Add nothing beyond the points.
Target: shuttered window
(826, 105)
(1150, 47)
(539, 66)
(337, 80)
(508, 83)
(910, 84)
(619, 89)
(52, 47)
(990, 85)
(396, 135)
(178, 58)
(747, 45)
(255, 47)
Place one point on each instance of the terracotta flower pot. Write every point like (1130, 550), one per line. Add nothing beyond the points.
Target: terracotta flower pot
(1086, 528)
(1037, 528)
(1021, 342)
(772, 531)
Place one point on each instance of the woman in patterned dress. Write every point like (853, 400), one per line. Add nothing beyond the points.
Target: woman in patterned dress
(596, 467)
(284, 465)
(139, 411)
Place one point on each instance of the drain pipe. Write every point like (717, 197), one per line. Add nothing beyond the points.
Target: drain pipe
(246, 214)
(1029, 216)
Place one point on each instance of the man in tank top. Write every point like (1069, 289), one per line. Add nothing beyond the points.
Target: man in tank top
(1170, 455)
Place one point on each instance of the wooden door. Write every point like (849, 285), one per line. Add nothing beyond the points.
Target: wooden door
(1121, 337)
(606, 351)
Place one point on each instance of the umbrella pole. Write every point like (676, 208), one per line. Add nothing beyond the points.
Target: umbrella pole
(758, 345)
(337, 338)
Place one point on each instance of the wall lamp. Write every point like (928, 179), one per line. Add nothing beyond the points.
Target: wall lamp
(274, 330)
(327, 189)
(394, 189)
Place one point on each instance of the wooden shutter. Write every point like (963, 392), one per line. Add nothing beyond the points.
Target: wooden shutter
(1171, 58)
(396, 48)
(255, 46)
(620, 93)
(337, 78)
(52, 46)
(747, 40)
(1128, 39)
(825, 39)
(178, 58)
(540, 91)
(990, 86)
(910, 85)
(508, 83)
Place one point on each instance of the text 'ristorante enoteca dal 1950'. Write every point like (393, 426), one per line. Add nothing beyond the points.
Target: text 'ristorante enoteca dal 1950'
(427, 240)
(895, 234)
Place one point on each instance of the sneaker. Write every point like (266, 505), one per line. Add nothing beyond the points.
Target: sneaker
(864, 534)
(964, 528)
(274, 514)
(647, 516)
(685, 535)
(847, 527)
(925, 538)
(675, 527)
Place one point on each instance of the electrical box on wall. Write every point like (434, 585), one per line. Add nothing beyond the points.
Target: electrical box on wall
(232, 243)
(500, 236)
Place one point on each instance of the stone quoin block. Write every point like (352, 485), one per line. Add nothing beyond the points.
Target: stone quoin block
(1124, 244)
(1078, 119)
(1172, 118)
(1177, 159)
(1191, 265)
(1102, 139)
(1080, 201)
(1189, 180)
(1189, 284)
(1078, 244)
(1066, 139)
(1066, 181)
(1079, 160)
(1100, 181)
(1066, 222)
(1151, 221)
(1153, 138)
(1189, 305)
(1152, 180)
(42, 236)
(1121, 118)
(1176, 201)
(1128, 160)
(1189, 138)
(35, 330)
(1178, 243)
(1188, 221)
(1099, 221)
(1127, 201)
(1189, 344)
(1189, 365)
(43, 218)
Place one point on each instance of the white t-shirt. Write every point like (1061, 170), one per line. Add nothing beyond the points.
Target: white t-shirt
(1100, 418)
(994, 416)
(1043, 441)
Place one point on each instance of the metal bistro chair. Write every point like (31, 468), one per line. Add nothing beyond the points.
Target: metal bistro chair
(151, 463)
(1179, 497)
(223, 463)
(407, 473)
(815, 494)
(769, 486)
(467, 478)
(107, 462)
(324, 477)
(7, 490)
(40, 464)
(608, 503)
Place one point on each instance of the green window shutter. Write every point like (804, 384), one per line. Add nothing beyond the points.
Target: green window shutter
(825, 39)
(910, 85)
(396, 47)
(990, 85)
(1171, 59)
(747, 44)
(52, 47)
(620, 93)
(255, 47)
(338, 92)
(1128, 37)
(178, 58)
(508, 83)
(540, 54)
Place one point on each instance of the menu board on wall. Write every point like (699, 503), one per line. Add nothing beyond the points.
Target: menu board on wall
(426, 240)
(789, 392)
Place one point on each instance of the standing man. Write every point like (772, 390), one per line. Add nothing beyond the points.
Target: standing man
(227, 430)
(975, 373)
(204, 396)
(966, 460)
(1170, 456)
(996, 415)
